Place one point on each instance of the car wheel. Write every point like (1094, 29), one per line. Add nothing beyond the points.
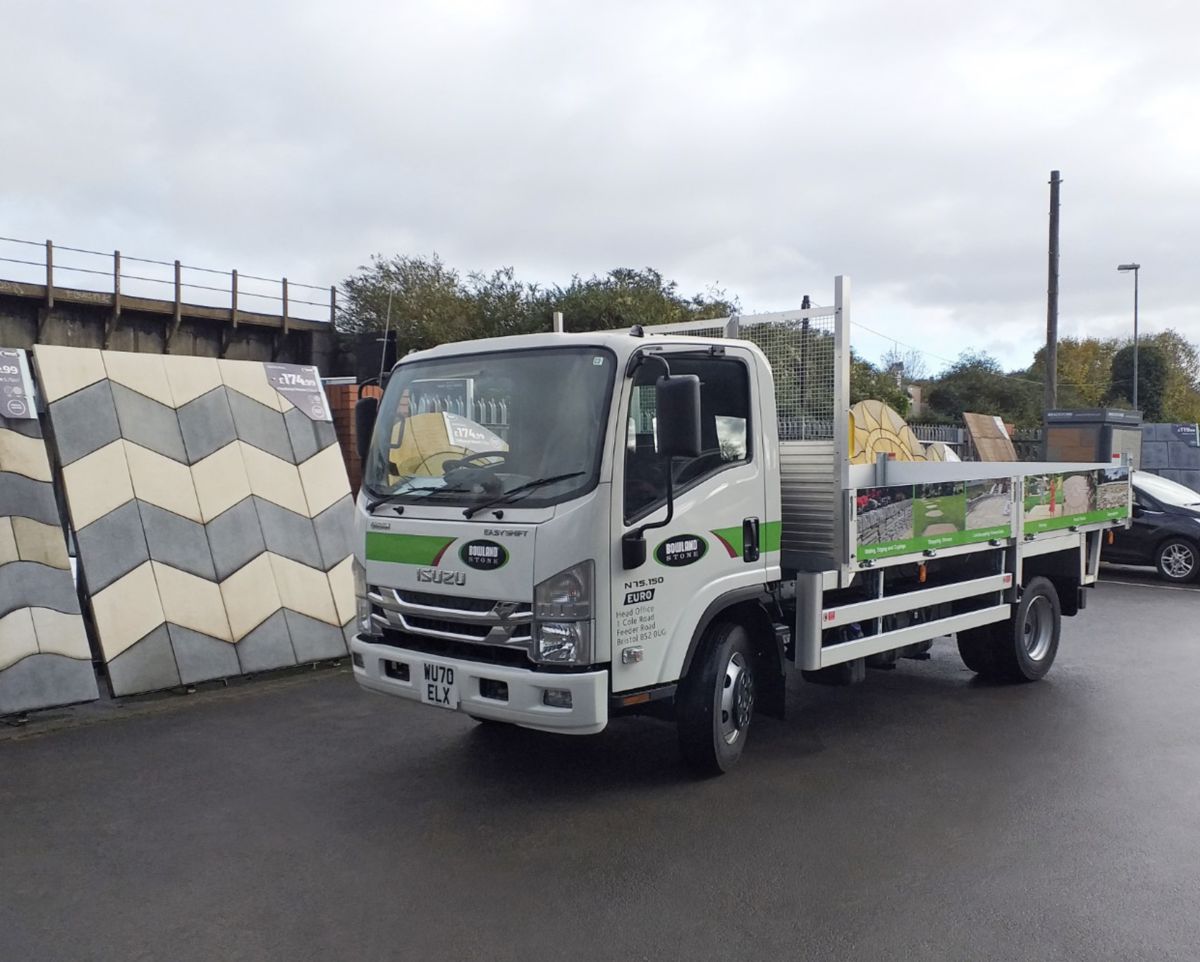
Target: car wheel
(1177, 560)
(716, 701)
(1022, 648)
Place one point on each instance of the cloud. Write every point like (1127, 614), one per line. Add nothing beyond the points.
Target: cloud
(761, 146)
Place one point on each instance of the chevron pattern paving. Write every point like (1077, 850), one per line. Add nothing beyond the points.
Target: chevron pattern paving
(212, 515)
(44, 654)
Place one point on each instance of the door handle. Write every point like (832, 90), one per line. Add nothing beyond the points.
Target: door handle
(750, 544)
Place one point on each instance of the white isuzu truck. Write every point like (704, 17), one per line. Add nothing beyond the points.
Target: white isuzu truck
(558, 528)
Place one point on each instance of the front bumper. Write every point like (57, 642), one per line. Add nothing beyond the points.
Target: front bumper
(587, 715)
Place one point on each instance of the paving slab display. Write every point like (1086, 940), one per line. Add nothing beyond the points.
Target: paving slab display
(195, 490)
(44, 656)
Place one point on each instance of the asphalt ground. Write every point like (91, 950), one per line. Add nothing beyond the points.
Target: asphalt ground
(921, 815)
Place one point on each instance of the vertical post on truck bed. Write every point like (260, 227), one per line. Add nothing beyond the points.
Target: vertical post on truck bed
(841, 414)
(806, 646)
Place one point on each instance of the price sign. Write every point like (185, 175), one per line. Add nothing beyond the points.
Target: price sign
(16, 386)
(302, 386)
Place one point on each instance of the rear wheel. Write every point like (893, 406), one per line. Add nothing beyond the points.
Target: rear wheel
(1022, 648)
(716, 701)
(1177, 560)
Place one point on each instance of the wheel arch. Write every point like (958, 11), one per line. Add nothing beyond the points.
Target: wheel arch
(749, 607)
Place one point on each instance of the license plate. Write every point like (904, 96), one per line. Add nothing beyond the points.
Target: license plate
(438, 686)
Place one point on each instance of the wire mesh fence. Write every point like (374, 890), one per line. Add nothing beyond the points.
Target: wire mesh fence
(802, 352)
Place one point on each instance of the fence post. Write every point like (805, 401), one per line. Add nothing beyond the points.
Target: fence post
(178, 318)
(49, 275)
(115, 319)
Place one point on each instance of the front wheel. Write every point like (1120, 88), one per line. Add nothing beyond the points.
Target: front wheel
(716, 701)
(1176, 560)
(1022, 648)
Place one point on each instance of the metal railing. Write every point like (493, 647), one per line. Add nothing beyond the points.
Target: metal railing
(42, 262)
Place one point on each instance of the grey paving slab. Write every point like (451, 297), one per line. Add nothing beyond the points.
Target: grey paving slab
(257, 424)
(147, 665)
(84, 422)
(46, 681)
(24, 497)
(112, 546)
(1184, 457)
(27, 584)
(206, 424)
(235, 537)
(147, 422)
(308, 436)
(177, 541)
(1155, 454)
(335, 532)
(287, 533)
(314, 640)
(30, 427)
(267, 646)
(201, 657)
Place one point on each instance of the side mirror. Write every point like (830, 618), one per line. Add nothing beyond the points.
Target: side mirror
(366, 410)
(1138, 510)
(677, 410)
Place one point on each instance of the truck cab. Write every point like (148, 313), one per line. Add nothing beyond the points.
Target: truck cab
(504, 484)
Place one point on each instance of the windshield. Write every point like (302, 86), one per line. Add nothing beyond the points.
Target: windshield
(1168, 492)
(475, 428)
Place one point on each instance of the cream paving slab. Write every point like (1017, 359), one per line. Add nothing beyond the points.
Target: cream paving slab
(17, 637)
(25, 456)
(127, 610)
(274, 479)
(65, 370)
(250, 378)
(8, 542)
(162, 481)
(220, 481)
(190, 377)
(341, 584)
(304, 589)
(324, 479)
(144, 373)
(250, 596)
(97, 483)
(191, 602)
(60, 634)
(43, 543)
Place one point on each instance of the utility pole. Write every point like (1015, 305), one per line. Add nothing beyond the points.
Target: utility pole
(1051, 396)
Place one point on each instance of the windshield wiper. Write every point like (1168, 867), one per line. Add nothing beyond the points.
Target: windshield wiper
(527, 486)
(383, 499)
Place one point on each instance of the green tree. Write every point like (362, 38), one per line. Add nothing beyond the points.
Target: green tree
(976, 382)
(1084, 370)
(869, 383)
(1153, 376)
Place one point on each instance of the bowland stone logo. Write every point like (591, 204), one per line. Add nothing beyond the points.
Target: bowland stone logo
(483, 555)
(683, 549)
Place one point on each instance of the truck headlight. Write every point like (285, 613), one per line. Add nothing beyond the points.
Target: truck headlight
(562, 612)
(361, 604)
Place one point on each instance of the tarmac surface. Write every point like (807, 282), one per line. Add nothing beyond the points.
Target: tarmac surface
(920, 815)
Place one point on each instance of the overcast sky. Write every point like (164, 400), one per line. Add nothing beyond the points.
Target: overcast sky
(759, 146)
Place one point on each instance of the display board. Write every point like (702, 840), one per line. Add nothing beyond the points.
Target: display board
(1070, 499)
(44, 656)
(212, 515)
(907, 519)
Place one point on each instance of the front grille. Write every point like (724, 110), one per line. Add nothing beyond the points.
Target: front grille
(429, 600)
(514, 657)
(452, 618)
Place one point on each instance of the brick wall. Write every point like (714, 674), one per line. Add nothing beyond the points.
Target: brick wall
(342, 398)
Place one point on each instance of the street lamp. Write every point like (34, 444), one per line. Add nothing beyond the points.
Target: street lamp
(1135, 268)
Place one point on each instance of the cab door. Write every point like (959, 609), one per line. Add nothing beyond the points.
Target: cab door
(717, 539)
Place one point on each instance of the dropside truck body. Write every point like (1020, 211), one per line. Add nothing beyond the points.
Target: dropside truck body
(558, 528)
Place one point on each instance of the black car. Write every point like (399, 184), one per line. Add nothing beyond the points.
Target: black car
(1165, 531)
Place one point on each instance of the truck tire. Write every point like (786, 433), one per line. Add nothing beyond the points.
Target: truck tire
(1022, 648)
(1177, 560)
(715, 705)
